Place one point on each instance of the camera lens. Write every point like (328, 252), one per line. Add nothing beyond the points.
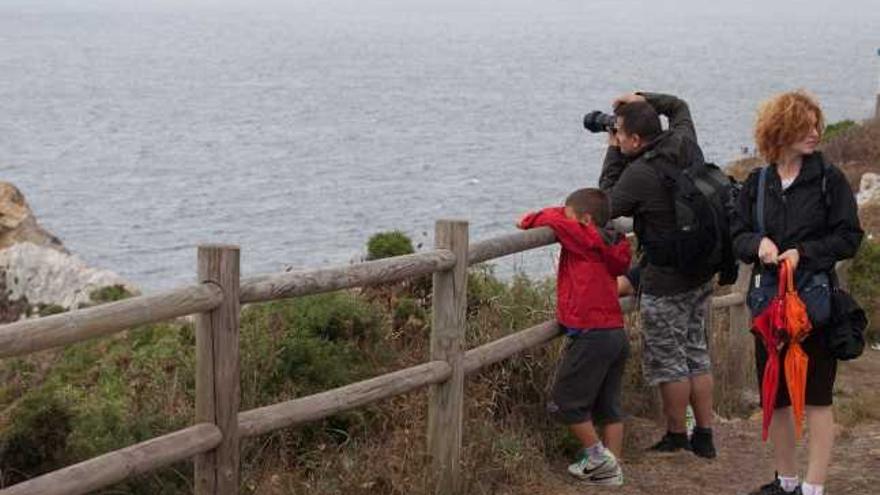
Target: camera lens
(597, 121)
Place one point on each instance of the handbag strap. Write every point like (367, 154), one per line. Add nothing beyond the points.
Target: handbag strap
(759, 211)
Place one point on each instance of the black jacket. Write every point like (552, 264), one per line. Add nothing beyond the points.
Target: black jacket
(636, 189)
(824, 231)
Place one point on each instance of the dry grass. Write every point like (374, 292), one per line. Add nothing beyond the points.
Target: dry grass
(740, 169)
(508, 439)
(856, 151)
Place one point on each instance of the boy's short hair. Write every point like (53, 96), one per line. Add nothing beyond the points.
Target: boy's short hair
(590, 201)
(640, 118)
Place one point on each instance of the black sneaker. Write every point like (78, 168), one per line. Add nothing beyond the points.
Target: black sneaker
(672, 442)
(701, 443)
(775, 488)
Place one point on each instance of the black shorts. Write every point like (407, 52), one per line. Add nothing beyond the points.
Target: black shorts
(588, 379)
(821, 371)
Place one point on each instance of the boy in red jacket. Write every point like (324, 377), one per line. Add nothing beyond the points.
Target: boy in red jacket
(588, 381)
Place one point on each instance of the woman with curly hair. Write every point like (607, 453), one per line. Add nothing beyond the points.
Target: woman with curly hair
(808, 216)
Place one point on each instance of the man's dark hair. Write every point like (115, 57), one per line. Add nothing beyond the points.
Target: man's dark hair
(639, 117)
(591, 201)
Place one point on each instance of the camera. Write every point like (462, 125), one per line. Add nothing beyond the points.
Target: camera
(597, 121)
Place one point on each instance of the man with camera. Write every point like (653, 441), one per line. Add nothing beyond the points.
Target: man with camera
(640, 167)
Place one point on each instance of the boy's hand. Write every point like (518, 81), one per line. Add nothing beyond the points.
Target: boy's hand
(520, 224)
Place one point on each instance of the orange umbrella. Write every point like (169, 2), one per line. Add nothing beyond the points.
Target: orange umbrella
(797, 326)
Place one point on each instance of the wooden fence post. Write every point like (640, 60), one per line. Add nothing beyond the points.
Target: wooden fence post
(217, 372)
(446, 400)
(740, 338)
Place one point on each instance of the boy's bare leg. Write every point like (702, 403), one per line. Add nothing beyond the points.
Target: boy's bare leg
(613, 438)
(586, 433)
(702, 388)
(676, 396)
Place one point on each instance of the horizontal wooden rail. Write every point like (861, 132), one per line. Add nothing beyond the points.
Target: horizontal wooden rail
(728, 300)
(313, 407)
(292, 284)
(505, 347)
(504, 245)
(538, 335)
(114, 467)
(34, 335)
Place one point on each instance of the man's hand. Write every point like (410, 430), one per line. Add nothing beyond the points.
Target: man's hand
(626, 98)
(612, 140)
(768, 253)
(793, 258)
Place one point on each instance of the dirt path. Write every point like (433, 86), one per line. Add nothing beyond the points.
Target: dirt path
(744, 462)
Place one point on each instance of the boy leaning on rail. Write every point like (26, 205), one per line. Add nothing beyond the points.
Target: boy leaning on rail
(588, 380)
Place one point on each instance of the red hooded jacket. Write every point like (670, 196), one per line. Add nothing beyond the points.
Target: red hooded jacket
(586, 286)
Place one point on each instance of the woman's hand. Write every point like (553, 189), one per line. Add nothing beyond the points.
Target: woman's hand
(793, 258)
(768, 253)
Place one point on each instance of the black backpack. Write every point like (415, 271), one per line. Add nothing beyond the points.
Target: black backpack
(704, 198)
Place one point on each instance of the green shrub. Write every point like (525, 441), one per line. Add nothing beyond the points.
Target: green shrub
(100, 396)
(388, 244)
(484, 288)
(36, 439)
(305, 345)
(406, 311)
(837, 129)
(110, 293)
(50, 309)
(864, 283)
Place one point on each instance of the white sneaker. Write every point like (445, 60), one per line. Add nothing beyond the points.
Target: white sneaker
(602, 471)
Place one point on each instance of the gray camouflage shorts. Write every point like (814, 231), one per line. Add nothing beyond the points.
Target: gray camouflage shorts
(674, 335)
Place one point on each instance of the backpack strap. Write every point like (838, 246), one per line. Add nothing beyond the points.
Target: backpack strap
(826, 169)
(762, 188)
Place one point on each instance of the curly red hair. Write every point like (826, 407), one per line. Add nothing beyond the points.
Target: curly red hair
(784, 120)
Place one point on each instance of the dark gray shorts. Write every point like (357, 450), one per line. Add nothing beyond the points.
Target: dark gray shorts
(674, 335)
(588, 379)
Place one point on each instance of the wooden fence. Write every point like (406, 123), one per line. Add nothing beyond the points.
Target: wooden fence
(213, 442)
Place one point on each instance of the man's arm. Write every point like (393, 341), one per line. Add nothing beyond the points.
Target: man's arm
(622, 203)
(612, 168)
(618, 257)
(676, 110)
(624, 194)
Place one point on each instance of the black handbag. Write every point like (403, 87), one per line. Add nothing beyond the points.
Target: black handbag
(845, 334)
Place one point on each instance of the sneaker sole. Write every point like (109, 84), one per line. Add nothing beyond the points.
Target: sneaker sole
(614, 481)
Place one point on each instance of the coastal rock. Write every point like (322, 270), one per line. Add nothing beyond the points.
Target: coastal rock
(869, 189)
(37, 274)
(18, 224)
(869, 213)
(44, 276)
